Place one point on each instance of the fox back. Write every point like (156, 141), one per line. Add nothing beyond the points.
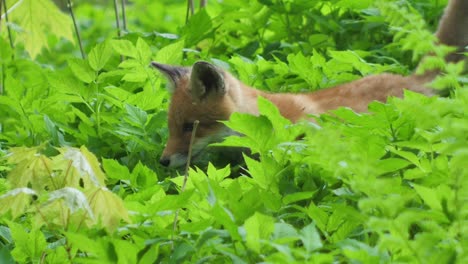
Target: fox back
(209, 94)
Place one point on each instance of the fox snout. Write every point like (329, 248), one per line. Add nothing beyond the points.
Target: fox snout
(174, 160)
(165, 161)
(174, 154)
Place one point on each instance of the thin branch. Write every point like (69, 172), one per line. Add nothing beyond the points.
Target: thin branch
(7, 22)
(117, 23)
(77, 31)
(192, 7)
(203, 3)
(11, 8)
(117, 19)
(189, 158)
(190, 10)
(187, 167)
(124, 16)
(1, 7)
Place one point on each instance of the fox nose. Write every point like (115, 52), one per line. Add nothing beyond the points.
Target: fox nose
(164, 161)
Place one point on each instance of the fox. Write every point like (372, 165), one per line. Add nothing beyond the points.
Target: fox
(209, 94)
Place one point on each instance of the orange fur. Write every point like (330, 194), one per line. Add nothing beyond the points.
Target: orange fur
(207, 93)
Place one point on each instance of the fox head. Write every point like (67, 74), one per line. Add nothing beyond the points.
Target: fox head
(201, 92)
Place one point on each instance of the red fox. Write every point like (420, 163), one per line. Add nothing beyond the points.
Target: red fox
(209, 94)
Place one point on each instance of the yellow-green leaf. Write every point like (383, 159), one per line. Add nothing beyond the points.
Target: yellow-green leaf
(86, 164)
(16, 201)
(38, 18)
(107, 207)
(31, 168)
(67, 207)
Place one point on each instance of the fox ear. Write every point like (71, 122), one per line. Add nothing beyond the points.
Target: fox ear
(172, 73)
(206, 80)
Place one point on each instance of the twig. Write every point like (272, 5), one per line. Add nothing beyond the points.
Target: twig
(77, 31)
(124, 16)
(203, 3)
(117, 24)
(187, 167)
(1, 7)
(190, 10)
(13, 7)
(10, 38)
(189, 158)
(117, 19)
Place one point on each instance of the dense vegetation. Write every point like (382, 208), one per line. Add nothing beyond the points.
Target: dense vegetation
(81, 134)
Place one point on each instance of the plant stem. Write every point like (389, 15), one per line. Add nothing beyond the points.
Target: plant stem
(189, 10)
(49, 172)
(203, 3)
(117, 19)
(117, 23)
(124, 16)
(189, 158)
(77, 31)
(187, 166)
(10, 38)
(1, 7)
(2, 81)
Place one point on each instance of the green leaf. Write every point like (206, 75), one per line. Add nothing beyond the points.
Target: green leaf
(114, 170)
(126, 250)
(223, 216)
(171, 54)
(143, 176)
(411, 157)
(297, 196)
(136, 77)
(6, 52)
(198, 27)
(136, 116)
(55, 134)
(268, 109)
(38, 18)
(429, 196)
(29, 247)
(100, 55)
(262, 175)
(310, 238)
(391, 164)
(319, 216)
(258, 227)
(80, 241)
(172, 202)
(143, 51)
(5, 256)
(124, 47)
(82, 70)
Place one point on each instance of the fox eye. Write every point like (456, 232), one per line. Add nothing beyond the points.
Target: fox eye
(187, 127)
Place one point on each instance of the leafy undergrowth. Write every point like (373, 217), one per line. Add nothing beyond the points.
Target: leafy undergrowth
(80, 139)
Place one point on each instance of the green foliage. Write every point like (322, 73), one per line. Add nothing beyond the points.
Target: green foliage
(33, 25)
(80, 138)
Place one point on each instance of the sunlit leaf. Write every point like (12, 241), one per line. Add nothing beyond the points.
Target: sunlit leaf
(85, 163)
(16, 201)
(107, 207)
(37, 18)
